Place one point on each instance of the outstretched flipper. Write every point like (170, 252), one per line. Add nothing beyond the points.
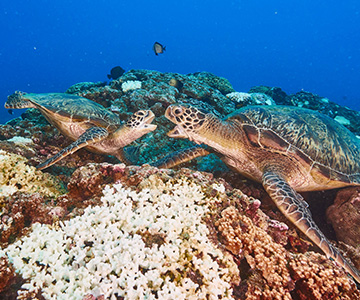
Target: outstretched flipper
(90, 136)
(179, 157)
(294, 207)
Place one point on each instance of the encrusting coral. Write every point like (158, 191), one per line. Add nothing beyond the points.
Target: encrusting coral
(17, 175)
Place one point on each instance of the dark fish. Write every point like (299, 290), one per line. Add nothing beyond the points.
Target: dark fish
(116, 72)
(158, 48)
(10, 111)
(176, 83)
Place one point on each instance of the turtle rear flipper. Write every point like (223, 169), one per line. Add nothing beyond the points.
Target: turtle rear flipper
(179, 157)
(295, 208)
(130, 155)
(90, 136)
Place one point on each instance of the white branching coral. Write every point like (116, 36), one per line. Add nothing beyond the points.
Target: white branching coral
(146, 245)
(130, 85)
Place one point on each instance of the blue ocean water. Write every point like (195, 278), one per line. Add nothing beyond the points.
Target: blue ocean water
(314, 45)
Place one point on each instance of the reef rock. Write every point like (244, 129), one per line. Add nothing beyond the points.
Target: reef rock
(344, 214)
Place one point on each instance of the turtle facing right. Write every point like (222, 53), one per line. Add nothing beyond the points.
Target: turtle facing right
(287, 149)
(86, 122)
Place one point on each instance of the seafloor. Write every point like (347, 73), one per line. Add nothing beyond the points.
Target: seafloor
(90, 227)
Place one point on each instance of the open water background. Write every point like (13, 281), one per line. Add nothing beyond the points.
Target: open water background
(46, 46)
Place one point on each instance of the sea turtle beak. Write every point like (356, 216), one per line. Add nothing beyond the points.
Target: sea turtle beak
(150, 127)
(177, 133)
(148, 119)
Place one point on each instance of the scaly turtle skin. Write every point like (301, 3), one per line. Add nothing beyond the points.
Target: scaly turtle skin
(288, 149)
(87, 123)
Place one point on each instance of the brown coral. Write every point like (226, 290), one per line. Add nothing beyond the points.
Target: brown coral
(274, 272)
(7, 273)
(19, 212)
(316, 278)
(265, 257)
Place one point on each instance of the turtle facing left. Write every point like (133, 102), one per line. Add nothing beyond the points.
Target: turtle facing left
(86, 122)
(287, 149)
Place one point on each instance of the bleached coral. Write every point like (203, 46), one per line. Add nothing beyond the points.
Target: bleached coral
(239, 96)
(17, 175)
(20, 140)
(342, 120)
(262, 99)
(251, 98)
(146, 245)
(130, 85)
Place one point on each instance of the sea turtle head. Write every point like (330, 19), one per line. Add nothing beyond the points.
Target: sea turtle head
(140, 121)
(189, 121)
(138, 124)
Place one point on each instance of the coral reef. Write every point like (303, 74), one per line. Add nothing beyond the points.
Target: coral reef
(7, 273)
(164, 233)
(121, 232)
(82, 86)
(216, 82)
(130, 85)
(153, 91)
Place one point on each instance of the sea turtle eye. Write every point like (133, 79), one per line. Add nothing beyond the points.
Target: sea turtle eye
(177, 111)
(141, 113)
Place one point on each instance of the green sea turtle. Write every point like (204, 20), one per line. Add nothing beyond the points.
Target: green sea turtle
(287, 149)
(86, 122)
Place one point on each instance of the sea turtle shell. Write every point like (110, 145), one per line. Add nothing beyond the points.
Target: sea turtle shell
(316, 139)
(61, 107)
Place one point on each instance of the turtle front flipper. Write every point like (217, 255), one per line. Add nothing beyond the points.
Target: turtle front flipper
(179, 157)
(90, 136)
(295, 208)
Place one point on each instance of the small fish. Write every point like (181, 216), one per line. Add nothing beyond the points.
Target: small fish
(10, 111)
(116, 72)
(176, 83)
(158, 48)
